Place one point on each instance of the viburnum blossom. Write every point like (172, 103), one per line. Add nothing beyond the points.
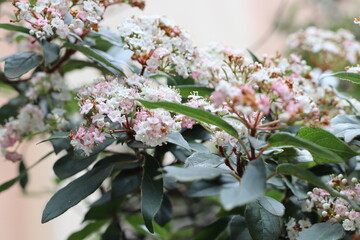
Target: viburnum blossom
(332, 48)
(335, 209)
(157, 44)
(29, 120)
(62, 17)
(110, 107)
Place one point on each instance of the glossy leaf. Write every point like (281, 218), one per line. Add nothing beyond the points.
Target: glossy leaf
(74, 192)
(327, 140)
(76, 161)
(320, 231)
(197, 114)
(24, 178)
(272, 206)
(213, 230)
(261, 223)
(346, 127)
(50, 51)
(352, 77)
(165, 213)
(177, 139)
(13, 27)
(319, 153)
(200, 159)
(238, 229)
(151, 191)
(18, 64)
(252, 186)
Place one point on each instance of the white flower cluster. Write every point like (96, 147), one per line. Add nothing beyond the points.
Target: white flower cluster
(158, 44)
(62, 17)
(335, 209)
(293, 227)
(54, 84)
(331, 47)
(29, 120)
(112, 101)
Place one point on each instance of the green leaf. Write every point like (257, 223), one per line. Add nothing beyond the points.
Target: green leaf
(8, 184)
(12, 27)
(24, 178)
(88, 230)
(272, 206)
(352, 77)
(191, 174)
(252, 186)
(197, 114)
(50, 51)
(75, 64)
(76, 161)
(96, 55)
(213, 230)
(200, 159)
(319, 153)
(18, 64)
(186, 90)
(327, 140)
(291, 169)
(261, 223)
(320, 231)
(74, 192)
(151, 191)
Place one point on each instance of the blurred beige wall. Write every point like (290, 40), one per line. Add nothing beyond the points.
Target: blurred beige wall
(236, 23)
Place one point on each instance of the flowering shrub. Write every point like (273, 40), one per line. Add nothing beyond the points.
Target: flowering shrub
(248, 144)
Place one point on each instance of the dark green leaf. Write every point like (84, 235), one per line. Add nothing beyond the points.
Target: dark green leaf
(252, 186)
(24, 176)
(151, 191)
(11, 108)
(96, 55)
(88, 230)
(113, 232)
(50, 51)
(125, 183)
(321, 231)
(319, 153)
(8, 184)
(120, 161)
(55, 136)
(238, 229)
(261, 223)
(164, 215)
(213, 230)
(352, 77)
(18, 64)
(74, 192)
(76, 161)
(328, 141)
(75, 64)
(197, 114)
(12, 27)
(106, 210)
(210, 188)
